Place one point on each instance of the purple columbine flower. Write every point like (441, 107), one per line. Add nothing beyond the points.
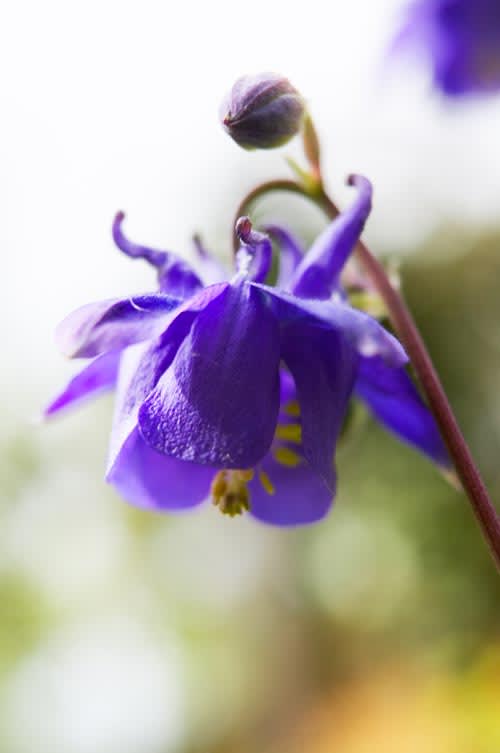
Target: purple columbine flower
(239, 390)
(461, 38)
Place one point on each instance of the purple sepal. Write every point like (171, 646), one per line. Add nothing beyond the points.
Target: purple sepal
(114, 324)
(364, 332)
(149, 479)
(143, 476)
(393, 399)
(98, 376)
(143, 364)
(300, 495)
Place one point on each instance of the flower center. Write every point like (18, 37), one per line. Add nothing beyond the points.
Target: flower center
(229, 491)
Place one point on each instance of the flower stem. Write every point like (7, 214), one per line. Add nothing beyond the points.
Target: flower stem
(410, 337)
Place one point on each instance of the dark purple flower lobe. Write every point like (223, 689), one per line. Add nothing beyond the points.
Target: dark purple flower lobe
(217, 403)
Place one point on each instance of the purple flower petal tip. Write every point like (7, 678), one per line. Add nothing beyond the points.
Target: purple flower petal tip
(113, 324)
(100, 375)
(318, 274)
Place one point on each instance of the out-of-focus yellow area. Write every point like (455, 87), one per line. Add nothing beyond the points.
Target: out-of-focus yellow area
(411, 708)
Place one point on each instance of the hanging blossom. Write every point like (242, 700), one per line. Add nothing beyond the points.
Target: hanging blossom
(461, 39)
(238, 390)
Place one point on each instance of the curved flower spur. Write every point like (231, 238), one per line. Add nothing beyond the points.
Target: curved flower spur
(238, 390)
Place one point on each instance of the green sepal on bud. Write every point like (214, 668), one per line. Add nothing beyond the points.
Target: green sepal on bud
(263, 111)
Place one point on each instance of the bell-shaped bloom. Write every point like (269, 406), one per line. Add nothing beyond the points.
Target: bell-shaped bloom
(461, 41)
(238, 390)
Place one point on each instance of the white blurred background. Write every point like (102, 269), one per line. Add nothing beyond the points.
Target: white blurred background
(109, 106)
(114, 105)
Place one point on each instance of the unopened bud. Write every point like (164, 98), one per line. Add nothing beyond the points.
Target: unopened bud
(262, 111)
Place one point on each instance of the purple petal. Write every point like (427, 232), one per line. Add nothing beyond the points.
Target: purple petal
(394, 401)
(324, 367)
(98, 376)
(149, 479)
(318, 275)
(143, 476)
(291, 253)
(175, 276)
(300, 495)
(218, 402)
(364, 332)
(114, 324)
(141, 367)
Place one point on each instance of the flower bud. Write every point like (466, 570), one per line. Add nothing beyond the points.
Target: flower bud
(262, 111)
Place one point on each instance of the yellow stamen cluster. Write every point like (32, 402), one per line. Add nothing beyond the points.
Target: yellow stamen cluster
(229, 491)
